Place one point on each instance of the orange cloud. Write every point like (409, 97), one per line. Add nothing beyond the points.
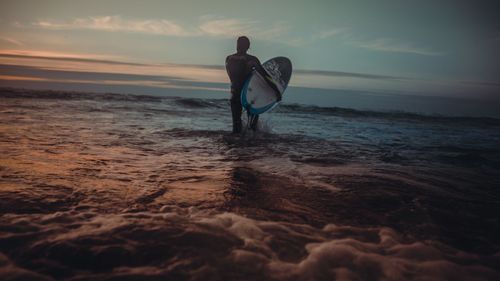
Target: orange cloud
(53, 54)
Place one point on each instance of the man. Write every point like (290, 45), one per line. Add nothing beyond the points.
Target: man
(239, 66)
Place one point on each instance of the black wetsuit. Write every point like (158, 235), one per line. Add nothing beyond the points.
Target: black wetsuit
(239, 66)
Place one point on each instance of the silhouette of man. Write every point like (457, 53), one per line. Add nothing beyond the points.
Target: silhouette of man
(239, 66)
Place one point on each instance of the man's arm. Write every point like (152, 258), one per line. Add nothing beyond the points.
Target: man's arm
(227, 69)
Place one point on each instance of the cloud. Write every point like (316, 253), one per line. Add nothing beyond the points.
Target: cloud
(391, 45)
(323, 34)
(103, 63)
(117, 23)
(94, 58)
(208, 26)
(349, 74)
(482, 83)
(228, 27)
(12, 41)
(52, 77)
(224, 27)
(36, 54)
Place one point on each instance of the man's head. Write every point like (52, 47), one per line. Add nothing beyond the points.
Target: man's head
(242, 44)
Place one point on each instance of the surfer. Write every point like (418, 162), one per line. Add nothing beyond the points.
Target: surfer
(239, 66)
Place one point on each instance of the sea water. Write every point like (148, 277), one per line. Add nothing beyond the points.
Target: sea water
(126, 187)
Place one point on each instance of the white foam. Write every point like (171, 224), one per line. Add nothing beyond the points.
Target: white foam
(9, 271)
(329, 253)
(348, 253)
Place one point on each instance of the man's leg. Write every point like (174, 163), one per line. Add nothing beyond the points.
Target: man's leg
(255, 120)
(236, 109)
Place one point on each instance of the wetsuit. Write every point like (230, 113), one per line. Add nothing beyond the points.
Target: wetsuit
(239, 66)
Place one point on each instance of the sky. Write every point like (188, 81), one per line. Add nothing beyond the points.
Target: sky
(428, 48)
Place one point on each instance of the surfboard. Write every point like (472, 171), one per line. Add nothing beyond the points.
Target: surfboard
(257, 95)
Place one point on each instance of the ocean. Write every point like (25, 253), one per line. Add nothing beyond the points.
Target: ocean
(138, 187)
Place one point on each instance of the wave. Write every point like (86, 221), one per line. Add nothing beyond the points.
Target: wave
(393, 115)
(200, 103)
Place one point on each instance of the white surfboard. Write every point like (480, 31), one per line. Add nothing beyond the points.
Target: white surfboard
(258, 96)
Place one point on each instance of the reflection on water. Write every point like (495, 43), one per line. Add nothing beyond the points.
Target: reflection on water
(109, 187)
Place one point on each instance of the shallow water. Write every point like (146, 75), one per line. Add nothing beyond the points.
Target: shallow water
(122, 187)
